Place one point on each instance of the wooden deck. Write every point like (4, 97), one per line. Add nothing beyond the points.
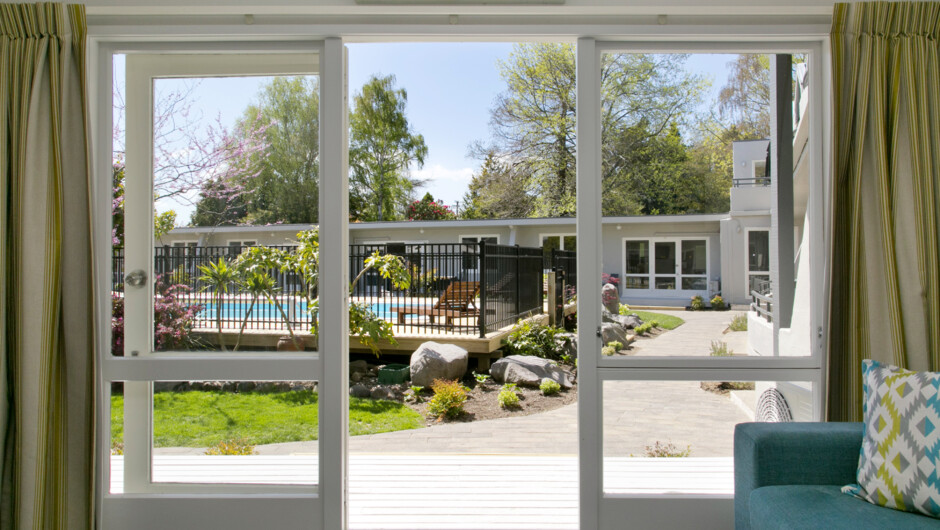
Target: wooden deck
(455, 492)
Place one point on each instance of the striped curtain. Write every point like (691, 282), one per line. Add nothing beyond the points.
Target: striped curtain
(47, 366)
(886, 256)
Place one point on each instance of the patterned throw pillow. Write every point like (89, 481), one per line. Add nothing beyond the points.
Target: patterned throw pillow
(897, 467)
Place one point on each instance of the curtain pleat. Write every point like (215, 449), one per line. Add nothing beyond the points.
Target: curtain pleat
(47, 349)
(885, 300)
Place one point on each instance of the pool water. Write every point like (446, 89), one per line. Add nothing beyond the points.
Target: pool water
(267, 311)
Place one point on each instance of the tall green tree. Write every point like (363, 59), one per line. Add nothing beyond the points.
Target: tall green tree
(744, 102)
(498, 191)
(286, 188)
(533, 121)
(382, 149)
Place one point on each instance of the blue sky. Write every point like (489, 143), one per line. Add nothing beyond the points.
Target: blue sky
(451, 88)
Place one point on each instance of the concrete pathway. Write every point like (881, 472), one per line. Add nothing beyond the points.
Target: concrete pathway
(636, 413)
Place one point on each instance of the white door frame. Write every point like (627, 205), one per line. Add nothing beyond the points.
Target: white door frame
(107, 39)
(600, 510)
(162, 505)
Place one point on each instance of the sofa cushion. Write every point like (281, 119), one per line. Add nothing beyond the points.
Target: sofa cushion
(897, 465)
(810, 506)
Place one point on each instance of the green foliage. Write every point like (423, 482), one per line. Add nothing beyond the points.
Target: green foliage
(615, 344)
(549, 387)
(667, 450)
(607, 351)
(529, 338)
(448, 399)
(413, 394)
(643, 328)
(718, 303)
(217, 277)
(232, 447)
(498, 191)
(427, 209)
(624, 309)
(163, 223)
(720, 349)
(744, 102)
(508, 398)
(205, 418)
(481, 378)
(382, 147)
(286, 188)
(697, 303)
(738, 323)
(655, 323)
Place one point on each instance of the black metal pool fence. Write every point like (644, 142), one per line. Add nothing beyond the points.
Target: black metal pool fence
(466, 288)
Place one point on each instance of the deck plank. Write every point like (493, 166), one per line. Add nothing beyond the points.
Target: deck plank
(452, 491)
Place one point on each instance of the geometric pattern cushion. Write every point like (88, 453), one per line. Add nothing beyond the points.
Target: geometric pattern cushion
(897, 466)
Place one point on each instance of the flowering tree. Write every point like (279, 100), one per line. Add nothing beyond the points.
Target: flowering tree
(427, 209)
(173, 320)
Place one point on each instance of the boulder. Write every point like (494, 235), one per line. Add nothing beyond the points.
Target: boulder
(384, 392)
(360, 391)
(627, 321)
(611, 298)
(569, 343)
(528, 370)
(437, 361)
(358, 367)
(612, 331)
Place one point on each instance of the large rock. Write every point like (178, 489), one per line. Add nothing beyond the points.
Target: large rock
(612, 331)
(437, 361)
(528, 370)
(569, 343)
(610, 297)
(627, 321)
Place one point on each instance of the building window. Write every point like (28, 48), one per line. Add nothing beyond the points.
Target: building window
(758, 261)
(666, 264)
(470, 260)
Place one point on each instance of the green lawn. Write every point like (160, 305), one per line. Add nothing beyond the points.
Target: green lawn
(665, 321)
(203, 419)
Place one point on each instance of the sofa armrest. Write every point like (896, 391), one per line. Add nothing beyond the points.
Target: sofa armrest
(767, 454)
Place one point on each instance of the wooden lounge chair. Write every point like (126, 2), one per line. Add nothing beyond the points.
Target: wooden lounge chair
(458, 300)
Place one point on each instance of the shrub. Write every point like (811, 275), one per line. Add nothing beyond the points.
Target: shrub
(720, 349)
(529, 338)
(549, 387)
(668, 449)
(718, 303)
(481, 378)
(173, 321)
(232, 447)
(448, 400)
(117, 448)
(697, 303)
(507, 396)
(624, 309)
(655, 324)
(644, 328)
(738, 323)
(608, 351)
(413, 394)
(609, 278)
(427, 209)
(615, 344)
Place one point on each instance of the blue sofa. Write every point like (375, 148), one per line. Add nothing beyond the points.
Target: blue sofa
(790, 475)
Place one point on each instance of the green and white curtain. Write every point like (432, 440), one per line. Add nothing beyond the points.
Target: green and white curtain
(47, 420)
(885, 301)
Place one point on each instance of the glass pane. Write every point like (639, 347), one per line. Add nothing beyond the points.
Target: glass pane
(637, 255)
(759, 283)
(758, 251)
(694, 257)
(668, 282)
(235, 432)
(221, 164)
(666, 258)
(636, 282)
(677, 437)
(695, 284)
(570, 242)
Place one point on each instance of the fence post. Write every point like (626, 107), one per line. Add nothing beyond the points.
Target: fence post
(518, 284)
(481, 271)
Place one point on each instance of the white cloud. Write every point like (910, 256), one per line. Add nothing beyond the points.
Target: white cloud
(445, 184)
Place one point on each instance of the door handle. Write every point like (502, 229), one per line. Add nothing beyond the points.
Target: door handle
(136, 278)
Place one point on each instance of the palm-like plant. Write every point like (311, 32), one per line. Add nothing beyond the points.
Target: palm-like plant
(255, 264)
(217, 277)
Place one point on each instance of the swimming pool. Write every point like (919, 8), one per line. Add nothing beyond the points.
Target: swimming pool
(265, 310)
